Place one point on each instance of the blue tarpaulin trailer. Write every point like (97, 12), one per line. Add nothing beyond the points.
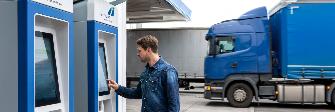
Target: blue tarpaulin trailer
(303, 37)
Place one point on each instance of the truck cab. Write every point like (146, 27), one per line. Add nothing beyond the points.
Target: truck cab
(239, 46)
(238, 52)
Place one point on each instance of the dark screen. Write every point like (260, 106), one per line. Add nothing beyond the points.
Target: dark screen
(77, 1)
(102, 71)
(46, 77)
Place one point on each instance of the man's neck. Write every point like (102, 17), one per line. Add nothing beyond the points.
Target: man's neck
(153, 59)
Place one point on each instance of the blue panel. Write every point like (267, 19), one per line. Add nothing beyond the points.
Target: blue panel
(25, 104)
(263, 51)
(279, 32)
(252, 22)
(92, 47)
(246, 53)
(218, 67)
(71, 64)
(181, 8)
(92, 57)
(276, 29)
(229, 27)
(26, 12)
(306, 36)
(258, 12)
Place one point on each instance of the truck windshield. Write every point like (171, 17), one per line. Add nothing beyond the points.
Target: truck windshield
(221, 45)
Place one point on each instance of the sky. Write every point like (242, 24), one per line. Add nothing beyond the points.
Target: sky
(205, 14)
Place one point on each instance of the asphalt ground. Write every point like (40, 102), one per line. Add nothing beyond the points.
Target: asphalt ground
(193, 101)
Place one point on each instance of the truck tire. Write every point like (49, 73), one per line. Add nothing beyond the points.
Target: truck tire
(239, 95)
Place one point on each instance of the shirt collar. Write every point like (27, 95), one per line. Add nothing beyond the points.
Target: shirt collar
(156, 65)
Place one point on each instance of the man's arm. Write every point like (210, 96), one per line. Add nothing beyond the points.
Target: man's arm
(172, 89)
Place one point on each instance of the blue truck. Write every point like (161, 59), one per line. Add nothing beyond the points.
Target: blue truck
(287, 55)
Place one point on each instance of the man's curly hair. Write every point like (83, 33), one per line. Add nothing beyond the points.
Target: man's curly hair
(148, 41)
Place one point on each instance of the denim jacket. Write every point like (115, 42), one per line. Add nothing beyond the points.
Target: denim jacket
(158, 88)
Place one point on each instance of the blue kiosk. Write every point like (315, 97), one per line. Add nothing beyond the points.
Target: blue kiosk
(96, 43)
(36, 44)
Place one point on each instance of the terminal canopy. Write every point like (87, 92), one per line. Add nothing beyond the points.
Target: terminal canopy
(142, 11)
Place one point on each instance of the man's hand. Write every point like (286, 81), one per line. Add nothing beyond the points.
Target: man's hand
(112, 84)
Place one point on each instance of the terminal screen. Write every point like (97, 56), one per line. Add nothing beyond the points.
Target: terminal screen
(77, 1)
(102, 71)
(46, 78)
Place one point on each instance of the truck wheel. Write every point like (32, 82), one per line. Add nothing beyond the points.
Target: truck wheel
(239, 95)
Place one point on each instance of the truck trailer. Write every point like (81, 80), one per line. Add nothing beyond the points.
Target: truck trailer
(286, 55)
(184, 48)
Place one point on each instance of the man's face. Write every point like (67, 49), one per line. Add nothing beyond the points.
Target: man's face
(143, 54)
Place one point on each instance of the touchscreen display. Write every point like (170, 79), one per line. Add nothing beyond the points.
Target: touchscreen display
(102, 71)
(46, 77)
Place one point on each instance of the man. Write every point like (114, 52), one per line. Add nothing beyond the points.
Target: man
(158, 85)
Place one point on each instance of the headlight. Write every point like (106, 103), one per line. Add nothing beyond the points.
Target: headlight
(207, 88)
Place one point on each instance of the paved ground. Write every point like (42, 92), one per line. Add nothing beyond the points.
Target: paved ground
(191, 102)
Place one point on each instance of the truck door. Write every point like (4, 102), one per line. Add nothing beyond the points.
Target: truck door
(221, 56)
